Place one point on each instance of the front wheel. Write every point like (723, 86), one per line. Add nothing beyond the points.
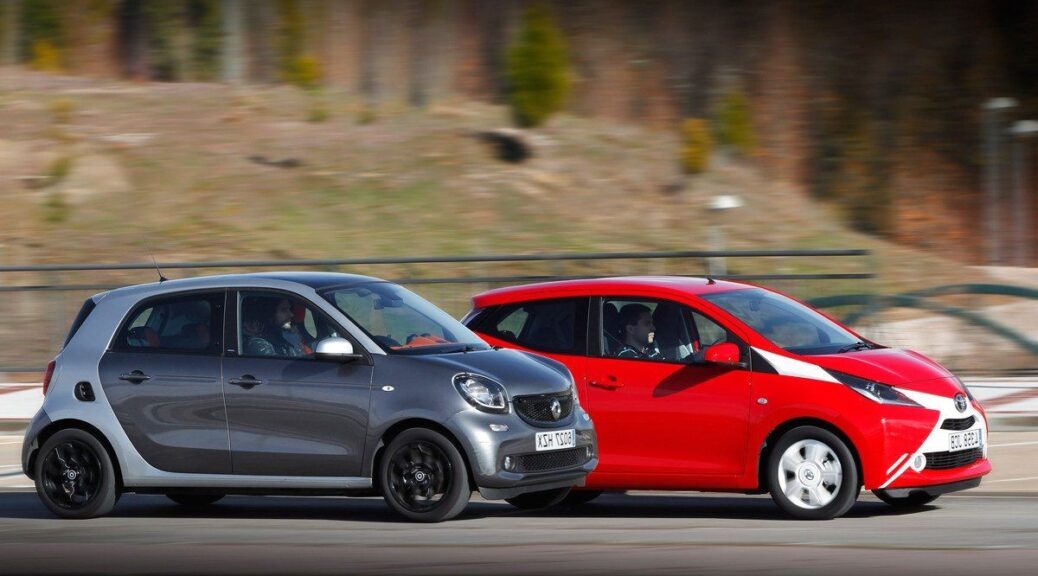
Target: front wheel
(75, 477)
(812, 474)
(913, 500)
(423, 476)
(542, 499)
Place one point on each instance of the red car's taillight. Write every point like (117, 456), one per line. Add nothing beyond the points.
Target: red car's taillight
(47, 376)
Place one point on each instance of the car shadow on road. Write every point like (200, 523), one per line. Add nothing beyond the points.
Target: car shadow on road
(26, 505)
(621, 505)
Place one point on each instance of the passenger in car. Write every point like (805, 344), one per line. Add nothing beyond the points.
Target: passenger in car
(638, 332)
(254, 315)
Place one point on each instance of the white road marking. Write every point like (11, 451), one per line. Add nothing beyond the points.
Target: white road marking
(1013, 479)
(1012, 444)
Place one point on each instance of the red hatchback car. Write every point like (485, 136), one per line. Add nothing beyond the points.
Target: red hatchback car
(698, 384)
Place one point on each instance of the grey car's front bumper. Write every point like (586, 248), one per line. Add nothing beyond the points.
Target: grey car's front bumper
(487, 449)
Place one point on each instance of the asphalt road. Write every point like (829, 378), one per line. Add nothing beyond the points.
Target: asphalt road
(618, 534)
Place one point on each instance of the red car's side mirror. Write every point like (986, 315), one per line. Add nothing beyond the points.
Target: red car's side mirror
(725, 354)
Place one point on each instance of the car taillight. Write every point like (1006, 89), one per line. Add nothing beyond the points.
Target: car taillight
(47, 375)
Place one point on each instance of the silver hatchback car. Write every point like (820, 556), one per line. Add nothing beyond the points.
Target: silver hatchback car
(298, 383)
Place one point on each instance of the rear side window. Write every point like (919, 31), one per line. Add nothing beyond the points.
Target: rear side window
(558, 326)
(182, 323)
(84, 311)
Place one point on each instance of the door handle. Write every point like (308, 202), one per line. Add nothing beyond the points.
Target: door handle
(247, 381)
(135, 377)
(611, 383)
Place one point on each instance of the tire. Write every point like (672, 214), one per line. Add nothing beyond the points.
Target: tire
(913, 500)
(812, 474)
(542, 499)
(194, 500)
(75, 477)
(423, 476)
(580, 497)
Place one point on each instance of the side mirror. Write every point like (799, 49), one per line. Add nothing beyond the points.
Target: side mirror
(339, 349)
(722, 354)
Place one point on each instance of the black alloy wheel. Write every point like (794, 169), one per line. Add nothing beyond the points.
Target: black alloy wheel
(75, 477)
(423, 476)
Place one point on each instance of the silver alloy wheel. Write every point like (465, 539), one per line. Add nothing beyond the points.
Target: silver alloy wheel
(810, 474)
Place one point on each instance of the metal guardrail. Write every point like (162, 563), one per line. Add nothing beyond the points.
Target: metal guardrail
(61, 307)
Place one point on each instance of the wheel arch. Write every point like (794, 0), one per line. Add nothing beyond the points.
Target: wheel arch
(70, 423)
(772, 438)
(407, 424)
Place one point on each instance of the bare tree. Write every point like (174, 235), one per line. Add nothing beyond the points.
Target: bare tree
(233, 41)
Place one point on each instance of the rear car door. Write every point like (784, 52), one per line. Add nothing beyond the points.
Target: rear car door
(655, 413)
(161, 375)
(289, 414)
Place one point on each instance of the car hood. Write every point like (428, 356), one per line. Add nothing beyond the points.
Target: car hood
(521, 373)
(894, 366)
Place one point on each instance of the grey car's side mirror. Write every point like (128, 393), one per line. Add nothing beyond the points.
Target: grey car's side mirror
(334, 348)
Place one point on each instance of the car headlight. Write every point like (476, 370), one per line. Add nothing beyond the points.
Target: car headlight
(882, 393)
(482, 392)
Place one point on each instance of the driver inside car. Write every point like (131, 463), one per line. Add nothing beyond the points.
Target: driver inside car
(638, 331)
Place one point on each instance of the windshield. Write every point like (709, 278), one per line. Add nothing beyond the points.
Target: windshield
(400, 321)
(785, 322)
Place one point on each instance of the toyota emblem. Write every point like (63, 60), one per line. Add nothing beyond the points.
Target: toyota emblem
(960, 402)
(556, 409)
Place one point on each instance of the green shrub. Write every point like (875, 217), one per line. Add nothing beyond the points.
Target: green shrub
(696, 144)
(734, 123)
(317, 113)
(537, 68)
(59, 170)
(45, 56)
(366, 115)
(204, 17)
(44, 35)
(55, 209)
(304, 72)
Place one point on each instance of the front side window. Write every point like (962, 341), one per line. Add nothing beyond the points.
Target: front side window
(557, 326)
(184, 323)
(656, 330)
(400, 321)
(277, 325)
(785, 322)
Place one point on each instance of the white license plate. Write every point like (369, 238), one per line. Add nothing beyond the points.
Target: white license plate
(964, 440)
(556, 440)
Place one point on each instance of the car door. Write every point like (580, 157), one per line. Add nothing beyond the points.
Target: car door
(161, 376)
(654, 412)
(289, 414)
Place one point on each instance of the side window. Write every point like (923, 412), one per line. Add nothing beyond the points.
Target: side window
(655, 330)
(277, 325)
(184, 323)
(548, 325)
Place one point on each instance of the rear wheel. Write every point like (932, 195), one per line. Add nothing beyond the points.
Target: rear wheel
(812, 474)
(423, 476)
(542, 499)
(913, 500)
(194, 500)
(75, 477)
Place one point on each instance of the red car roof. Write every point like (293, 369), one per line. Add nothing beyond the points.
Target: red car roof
(627, 284)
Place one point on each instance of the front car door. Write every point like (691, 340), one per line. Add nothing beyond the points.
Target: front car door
(660, 418)
(289, 414)
(161, 375)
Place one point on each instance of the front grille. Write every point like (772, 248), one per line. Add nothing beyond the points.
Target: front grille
(945, 460)
(537, 409)
(958, 424)
(554, 460)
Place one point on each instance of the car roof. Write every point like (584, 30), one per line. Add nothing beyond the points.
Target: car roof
(315, 280)
(628, 284)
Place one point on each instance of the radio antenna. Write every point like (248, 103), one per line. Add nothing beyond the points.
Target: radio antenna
(161, 277)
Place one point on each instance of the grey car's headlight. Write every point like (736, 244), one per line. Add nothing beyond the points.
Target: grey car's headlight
(882, 393)
(482, 392)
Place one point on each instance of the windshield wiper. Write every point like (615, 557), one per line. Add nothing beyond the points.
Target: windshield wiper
(859, 345)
